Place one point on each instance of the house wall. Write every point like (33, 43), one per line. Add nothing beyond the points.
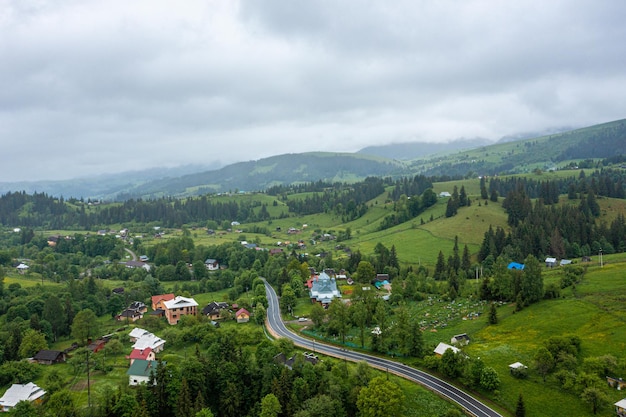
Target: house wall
(174, 314)
(136, 379)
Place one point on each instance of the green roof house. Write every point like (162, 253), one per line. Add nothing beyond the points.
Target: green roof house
(139, 372)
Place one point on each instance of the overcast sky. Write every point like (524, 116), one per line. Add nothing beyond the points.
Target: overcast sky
(91, 87)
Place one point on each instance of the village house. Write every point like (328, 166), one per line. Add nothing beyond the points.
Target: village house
(133, 312)
(242, 316)
(620, 408)
(146, 354)
(139, 372)
(212, 264)
(49, 357)
(550, 262)
(97, 345)
(155, 343)
(158, 300)
(178, 307)
(21, 392)
(213, 310)
(143, 339)
(130, 315)
(137, 333)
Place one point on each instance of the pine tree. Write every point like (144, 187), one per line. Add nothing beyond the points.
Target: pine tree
(483, 189)
(494, 196)
(440, 267)
(393, 258)
(456, 260)
(463, 197)
(493, 314)
(451, 207)
(185, 408)
(466, 262)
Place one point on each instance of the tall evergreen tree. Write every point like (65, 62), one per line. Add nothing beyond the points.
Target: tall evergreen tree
(483, 189)
(440, 267)
(593, 205)
(494, 196)
(466, 262)
(456, 260)
(451, 208)
(488, 245)
(463, 197)
(393, 258)
(184, 405)
(493, 314)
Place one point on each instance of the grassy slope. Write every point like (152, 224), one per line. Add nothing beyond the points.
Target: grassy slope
(595, 312)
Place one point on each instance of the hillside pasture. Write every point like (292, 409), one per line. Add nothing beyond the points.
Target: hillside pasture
(594, 312)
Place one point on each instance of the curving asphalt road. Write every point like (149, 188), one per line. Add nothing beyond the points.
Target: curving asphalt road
(277, 328)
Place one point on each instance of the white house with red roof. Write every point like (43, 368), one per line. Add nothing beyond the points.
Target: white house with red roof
(146, 354)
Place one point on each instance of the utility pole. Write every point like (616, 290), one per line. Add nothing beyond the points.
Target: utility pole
(88, 383)
(601, 265)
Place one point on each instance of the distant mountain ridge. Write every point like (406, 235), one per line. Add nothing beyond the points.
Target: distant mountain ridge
(412, 150)
(459, 158)
(101, 186)
(281, 169)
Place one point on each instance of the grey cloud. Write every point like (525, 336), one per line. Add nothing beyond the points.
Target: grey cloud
(90, 87)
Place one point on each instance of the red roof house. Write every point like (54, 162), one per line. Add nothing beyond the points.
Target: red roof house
(146, 354)
(158, 300)
(242, 316)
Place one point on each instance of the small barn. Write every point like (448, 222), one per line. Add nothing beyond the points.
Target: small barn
(460, 339)
(49, 357)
